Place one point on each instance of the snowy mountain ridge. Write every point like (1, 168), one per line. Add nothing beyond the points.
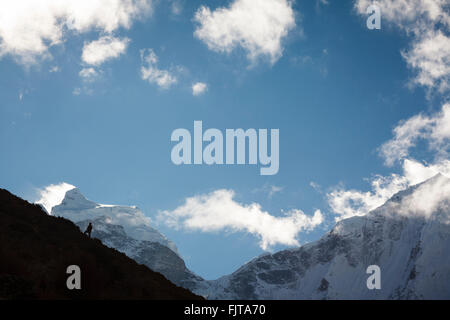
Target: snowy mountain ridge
(411, 245)
(136, 225)
(128, 230)
(408, 238)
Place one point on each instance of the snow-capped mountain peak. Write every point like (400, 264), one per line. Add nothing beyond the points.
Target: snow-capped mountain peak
(408, 238)
(128, 230)
(76, 207)
(75, 200)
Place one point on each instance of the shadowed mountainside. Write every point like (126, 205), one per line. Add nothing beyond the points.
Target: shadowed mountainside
(36, 249)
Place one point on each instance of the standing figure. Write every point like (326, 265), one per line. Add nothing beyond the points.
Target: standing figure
(88, 230)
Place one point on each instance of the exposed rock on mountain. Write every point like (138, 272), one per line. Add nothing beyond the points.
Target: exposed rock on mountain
(126, 229)
(408, 238)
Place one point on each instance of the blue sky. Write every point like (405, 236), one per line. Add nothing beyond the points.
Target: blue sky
(335, 90)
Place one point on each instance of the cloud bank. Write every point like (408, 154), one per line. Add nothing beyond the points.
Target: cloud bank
(28, 28)
(432, 130)
(427, 199)
(428, 23)
(53, 195)
(218, 211)
(257, 26)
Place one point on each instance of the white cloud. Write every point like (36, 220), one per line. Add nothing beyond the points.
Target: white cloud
(409, 14)
(434, 129)
(53, 195)
(430, 56)
(218, 211)
(106, 48)
(28, 28)
(428, 23)
(88, 74)
(151, 73)
(258, 26)
(348, 203)
(54, 69)
(427, 199)
(199, 88)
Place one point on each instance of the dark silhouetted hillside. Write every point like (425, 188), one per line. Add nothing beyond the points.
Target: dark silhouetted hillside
(36, 249)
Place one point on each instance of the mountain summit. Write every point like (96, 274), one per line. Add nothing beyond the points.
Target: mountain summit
(408, 238)
(77, 208)
(128, 230)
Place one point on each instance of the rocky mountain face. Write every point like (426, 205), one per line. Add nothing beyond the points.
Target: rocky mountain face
(128, 230)
(408, 238)
(154, 255)
(36, 250)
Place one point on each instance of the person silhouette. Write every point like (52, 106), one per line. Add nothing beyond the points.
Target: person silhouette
(88, 230)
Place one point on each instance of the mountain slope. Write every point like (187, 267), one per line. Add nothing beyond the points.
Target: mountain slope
(36, 249)
(76, 207)
(408, 238)
(126, 229)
